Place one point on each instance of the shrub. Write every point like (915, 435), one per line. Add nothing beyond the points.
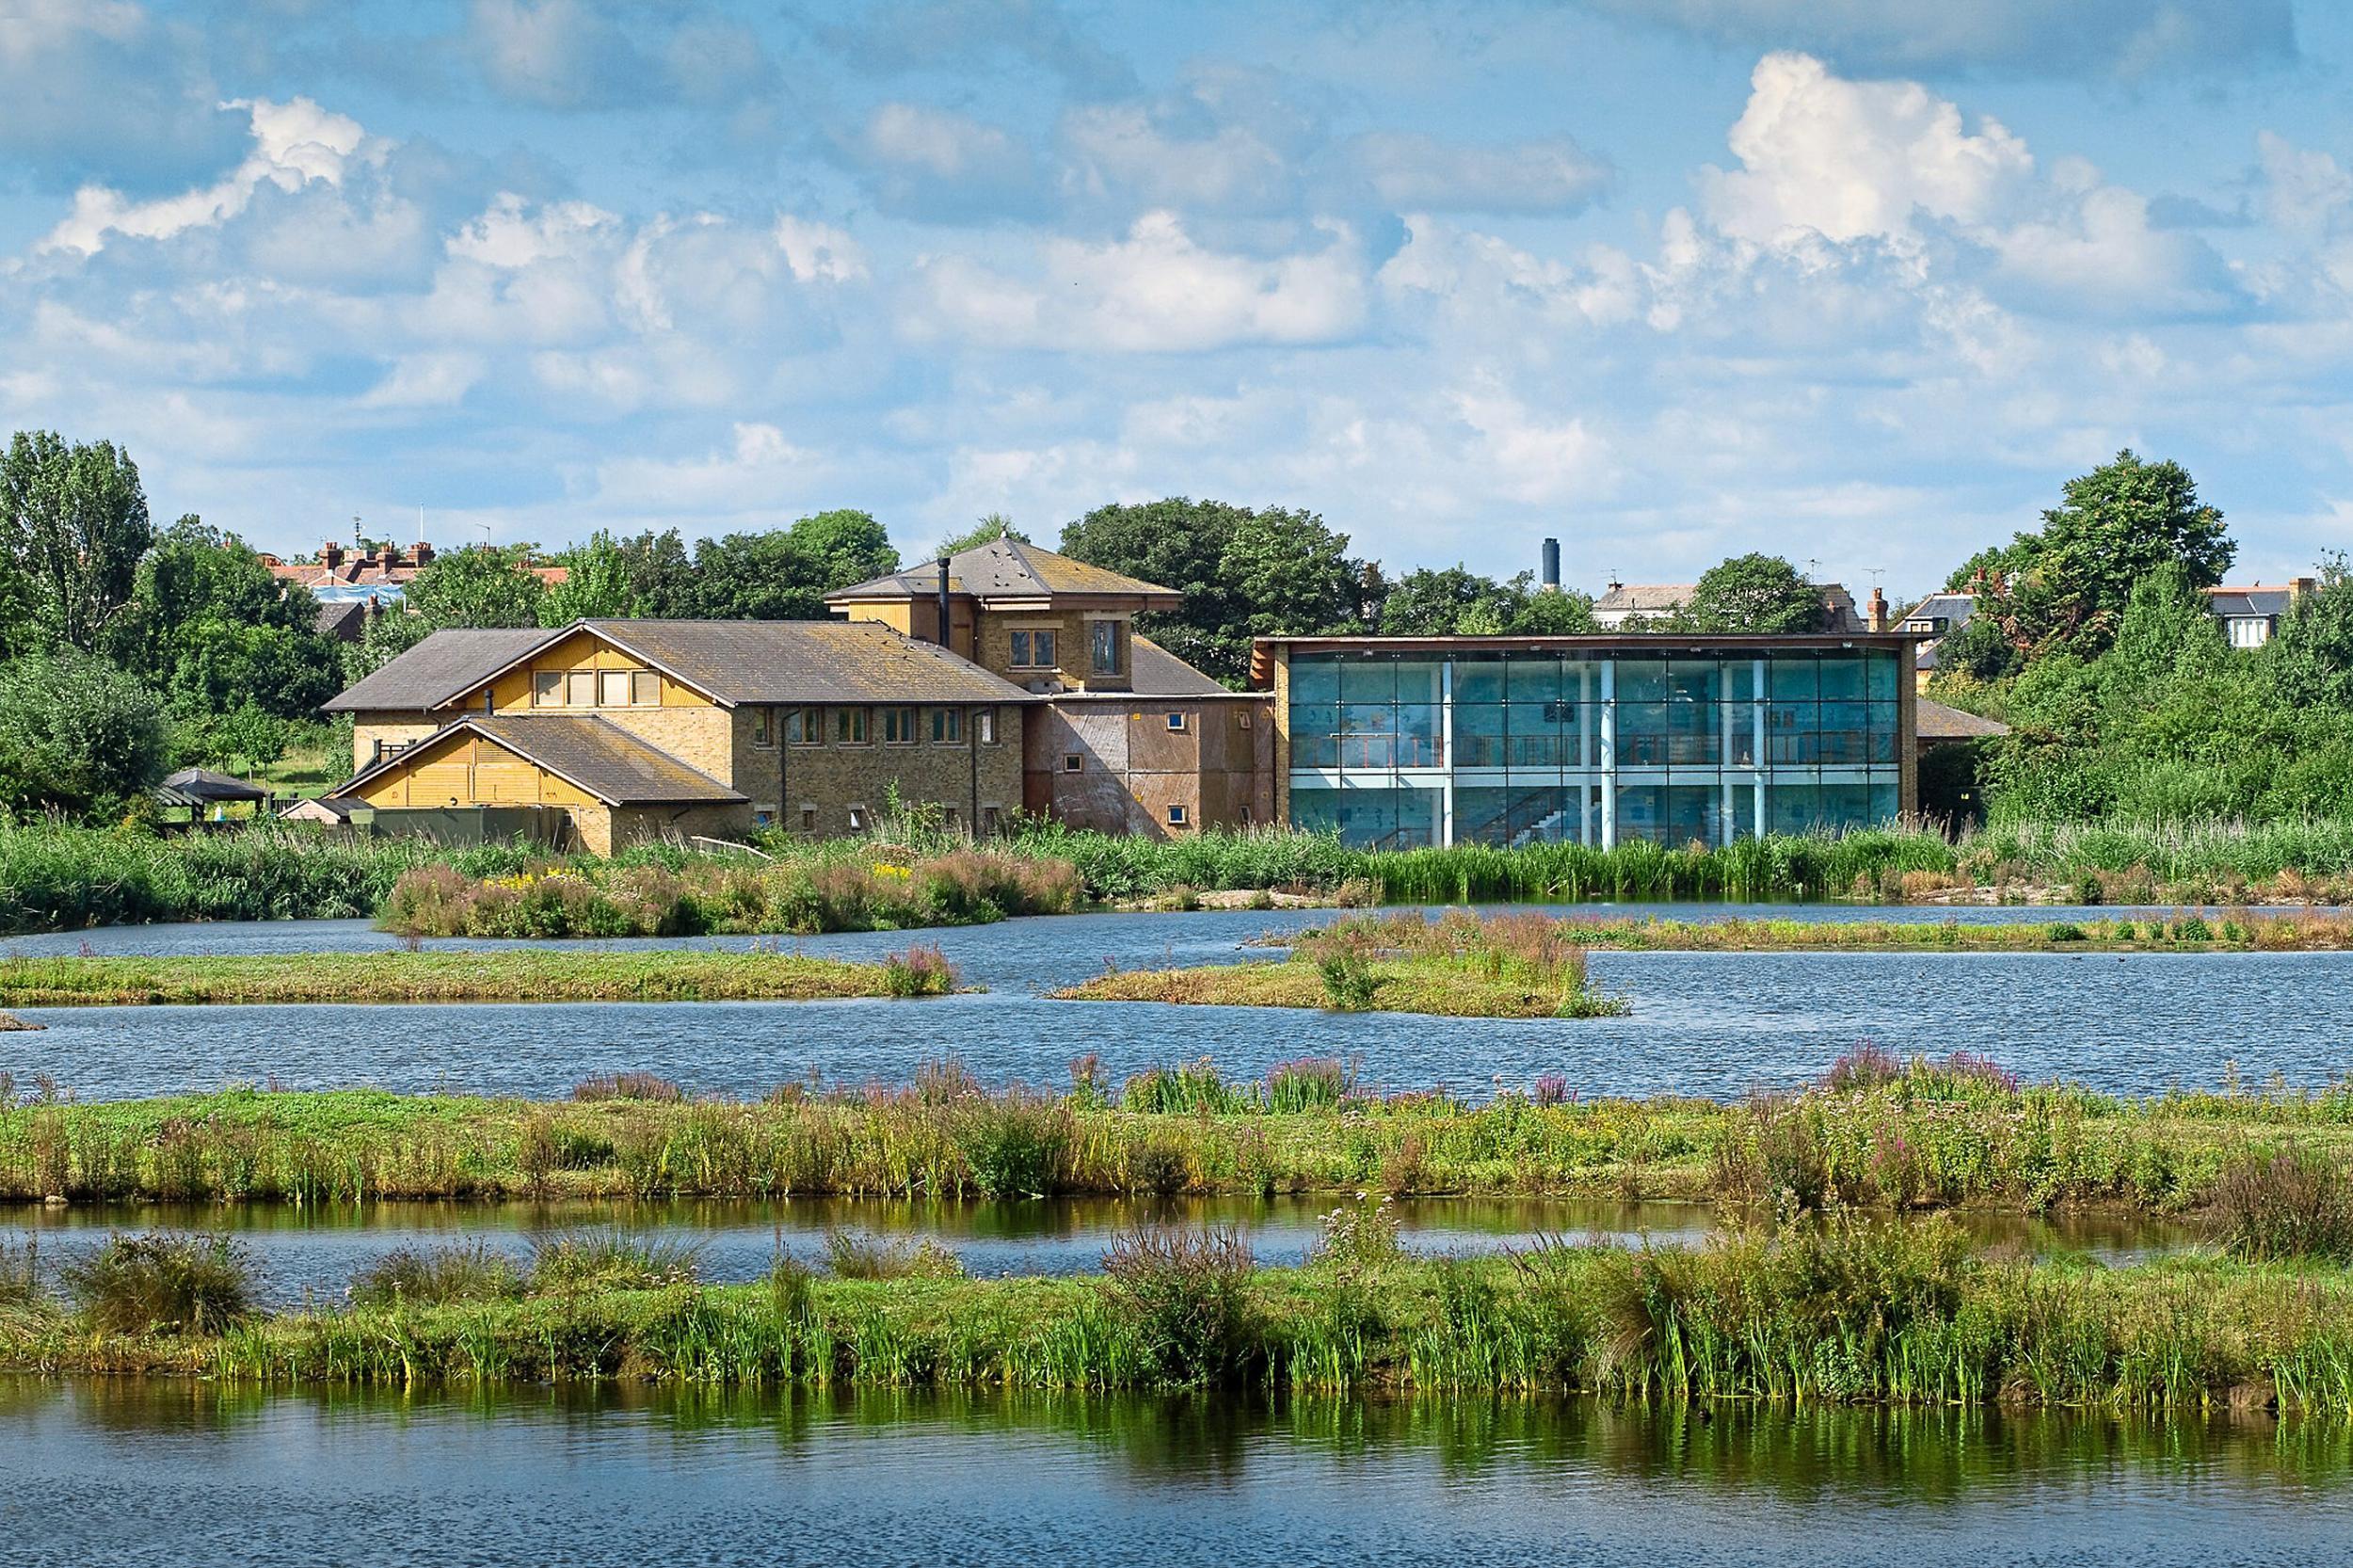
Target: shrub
(1310, 1083)
(854, 1256)
(1158, 1167)
(2287, 1204)
(432, 1277)
(1867, 1067)
(2192, 928)
(1017, 1146)
(612, 1260)
(1363, 1235)
(1349, 984)
(1186, 1296)
(162, 1284)
(923, 970)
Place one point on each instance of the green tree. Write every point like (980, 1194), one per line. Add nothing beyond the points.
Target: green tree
(1286, 574)
(247, 735)
(1752, 593)
(756, 577)
(986, 531)
(1550, 613)
(479, 585)
(2309, 661)
(73, 525)
(77, 735)
(1449, 602)
(384, 639)
(650, 575)
(2066, 584)
(843, 546)
(1177, 543)
(213, 630)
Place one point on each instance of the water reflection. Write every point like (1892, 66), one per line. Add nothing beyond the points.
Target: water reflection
(110, 1471)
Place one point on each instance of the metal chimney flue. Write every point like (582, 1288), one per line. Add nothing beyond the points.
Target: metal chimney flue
(1552, 566)
(942, 626)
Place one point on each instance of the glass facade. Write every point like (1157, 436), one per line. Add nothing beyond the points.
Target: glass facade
(1501, 747)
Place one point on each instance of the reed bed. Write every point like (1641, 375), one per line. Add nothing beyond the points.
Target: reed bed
(524, 974)
(1851, 1312)
(54, 877)
(1875, 1133)
(1459, 933)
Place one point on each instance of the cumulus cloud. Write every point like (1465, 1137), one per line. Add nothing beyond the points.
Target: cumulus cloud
(2305, 191)
(1155, 291)
(1847, 160)
(926, 162)
(99, 90)
(2125, 39)
(294, 143)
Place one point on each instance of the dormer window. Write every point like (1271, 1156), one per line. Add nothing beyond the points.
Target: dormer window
(1033, 649)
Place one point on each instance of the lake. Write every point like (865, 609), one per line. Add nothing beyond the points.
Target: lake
(1710, 1024)
(129, 1471)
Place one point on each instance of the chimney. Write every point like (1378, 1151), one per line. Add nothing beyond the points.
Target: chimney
(1879, 609)
(389, 556)
(2302, 588)
(330, 555)
(424, 553)
(942, 625)
(1552, 566)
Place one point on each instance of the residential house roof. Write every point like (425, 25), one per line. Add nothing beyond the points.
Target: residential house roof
(1624, 600)
(1936, 721)
(344, 573)
(446, 664)
(2253, 599)
(1007, 570)
(594, 754)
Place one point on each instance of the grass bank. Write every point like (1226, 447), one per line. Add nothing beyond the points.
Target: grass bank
(1874, 1133)
(1844, 1313)
(523, 974)
(1464, 965)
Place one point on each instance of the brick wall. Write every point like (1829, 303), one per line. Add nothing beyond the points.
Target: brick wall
(832, 778)
(1132, 767)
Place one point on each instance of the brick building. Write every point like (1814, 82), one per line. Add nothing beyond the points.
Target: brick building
(1040, 697)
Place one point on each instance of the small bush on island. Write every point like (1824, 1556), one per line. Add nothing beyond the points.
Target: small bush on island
(851, 1255)
(611, 1260)
(162, 1284)
(1184, 1296)
(436, 1277)
(923, 970)
(2287, 1204)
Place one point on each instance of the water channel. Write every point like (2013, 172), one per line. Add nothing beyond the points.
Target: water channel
(124, 1471)
(1710, 1024)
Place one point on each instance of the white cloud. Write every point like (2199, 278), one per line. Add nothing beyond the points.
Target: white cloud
(425, 381)
(938, 142)
(2305, 191)
(513, 234)
(817, 253)
(1854, 160)
(1155, 291)
(294, 143)
(1123, 153)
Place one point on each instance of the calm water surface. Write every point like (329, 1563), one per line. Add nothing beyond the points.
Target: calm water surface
(126, 1472)
(1710, 1024)
(311, 1252)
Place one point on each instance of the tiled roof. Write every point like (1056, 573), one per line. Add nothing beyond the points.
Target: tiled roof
(596, 754)
(1158, 672)
(1646, 595)
(807, 661)
(1936, 721)
(445, 664)
(2253, 599)
(1006, 568)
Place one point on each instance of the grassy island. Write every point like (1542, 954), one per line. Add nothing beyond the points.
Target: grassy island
(1846, 1312)
(1875, 1133)
(1462, 967)
(521, 974)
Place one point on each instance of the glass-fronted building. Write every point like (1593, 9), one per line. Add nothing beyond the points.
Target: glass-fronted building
(1409, 741)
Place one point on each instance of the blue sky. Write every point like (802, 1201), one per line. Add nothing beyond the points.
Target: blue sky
(1855, 281)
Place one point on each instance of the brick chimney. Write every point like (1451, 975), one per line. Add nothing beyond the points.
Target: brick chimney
(330, 555)
(2302, 588)
(425, 552)
(1879, 609)
(389, 556)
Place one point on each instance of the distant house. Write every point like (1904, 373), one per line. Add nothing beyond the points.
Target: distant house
(1935, 618)
(382, 574)
(1626, 602)
(346, 620)
(2250, 616)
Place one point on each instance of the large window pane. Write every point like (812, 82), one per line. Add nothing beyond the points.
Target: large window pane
(1692, 735)
(1846, 733)
(1694, 814)
(1417, 736)
(1793, 678)
(1792, 805)
(1881, 672)
(1793, 733)
(1539, 680)
(1694, 680)
(1482, 816)
(1479, 735)
(1368, 681)
(1477, 680)
(1641, 734)
(1315, 677)
(1642, 811)
(1742, 679)
(1641, 681)
(1842, 676)
(1368, 735)
(1420, 680)
(1315, 735)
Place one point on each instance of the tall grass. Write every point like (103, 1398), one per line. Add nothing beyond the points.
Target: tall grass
(162, 1284)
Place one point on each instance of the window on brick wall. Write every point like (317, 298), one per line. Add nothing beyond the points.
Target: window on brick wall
(1072, 761)
(1106, 643)
(1176, 816)
(763, 728)
(1177, 723)
(807, 726)
(899, 727)
(948, 727)
(1033, 649)
(849, 726)
(986, 719)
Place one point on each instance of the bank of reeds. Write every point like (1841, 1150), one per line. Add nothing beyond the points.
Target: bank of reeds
(858, 888)
(1463, 966)
(1845, 1312)
(514, 974)
(1460, 934)
(60, 878)
(1877, 1134)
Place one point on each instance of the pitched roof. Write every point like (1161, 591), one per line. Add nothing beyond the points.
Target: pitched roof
(1006, 570)
(206, 785)
(806, 661)
(446, 664)
(1157, 672)
(596, 754)
(733, 662)
(1646, 595)
(1936, 721)
(2253, 599)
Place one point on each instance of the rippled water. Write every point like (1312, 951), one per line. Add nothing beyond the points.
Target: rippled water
(1711, 1024)
(129, 1471)
(311, 1252)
